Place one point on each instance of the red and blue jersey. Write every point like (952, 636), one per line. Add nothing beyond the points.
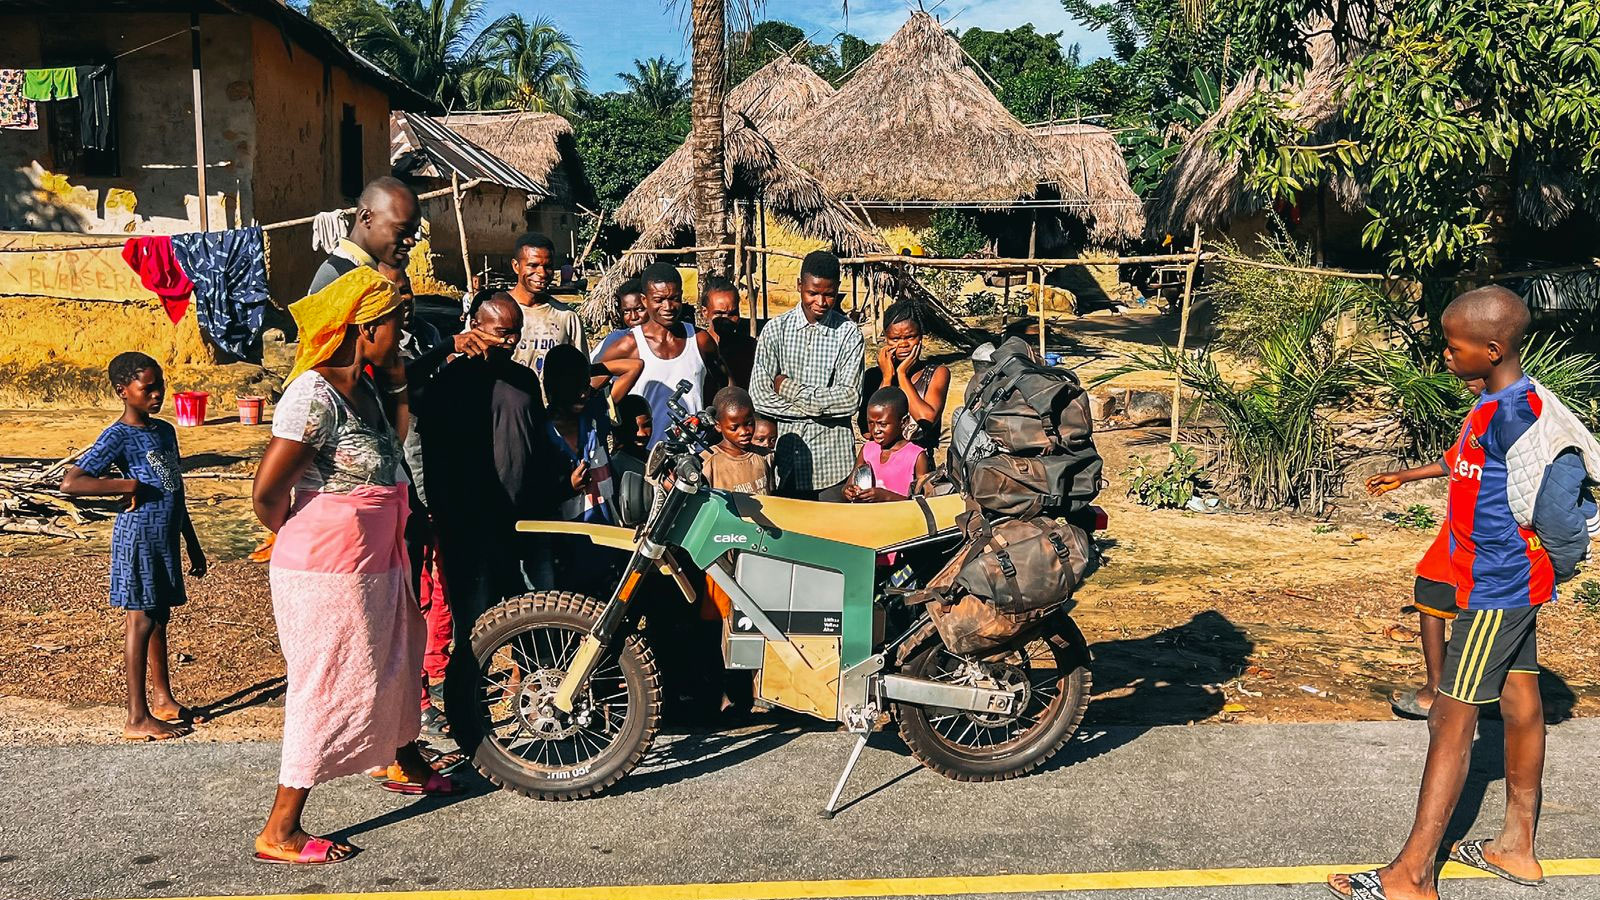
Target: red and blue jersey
(1498, 564)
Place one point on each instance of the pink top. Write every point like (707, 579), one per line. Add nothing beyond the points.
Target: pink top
(901, 469)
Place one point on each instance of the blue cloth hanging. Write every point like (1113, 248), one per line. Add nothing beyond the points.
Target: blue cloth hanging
(229, 271)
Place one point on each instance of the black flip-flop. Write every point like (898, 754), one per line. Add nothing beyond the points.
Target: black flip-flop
(1363, 886)
(434, 725)
(1405, 705)
(1470, 853)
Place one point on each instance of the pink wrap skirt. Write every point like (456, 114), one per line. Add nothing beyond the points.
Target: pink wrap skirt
(351, 633)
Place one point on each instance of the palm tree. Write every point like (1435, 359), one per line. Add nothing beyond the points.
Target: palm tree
(708, 45)
(535, 64)
(427, 43)
(656, 84)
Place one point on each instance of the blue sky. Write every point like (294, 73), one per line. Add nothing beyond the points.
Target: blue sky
(613, 33)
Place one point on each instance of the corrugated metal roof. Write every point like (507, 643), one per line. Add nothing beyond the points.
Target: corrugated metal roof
(447, 151)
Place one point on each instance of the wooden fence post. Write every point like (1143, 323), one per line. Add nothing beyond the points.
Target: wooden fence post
(461, 229)
(1183, 330)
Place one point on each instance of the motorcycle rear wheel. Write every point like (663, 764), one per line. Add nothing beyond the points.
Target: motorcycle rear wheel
(1049, 672)
(523, 648)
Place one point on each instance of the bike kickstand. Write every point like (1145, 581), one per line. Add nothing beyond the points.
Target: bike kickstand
(849, 766)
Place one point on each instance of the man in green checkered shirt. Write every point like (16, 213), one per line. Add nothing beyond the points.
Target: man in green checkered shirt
(807, 376)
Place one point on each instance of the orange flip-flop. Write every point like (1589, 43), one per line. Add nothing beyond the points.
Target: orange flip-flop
(316, 852)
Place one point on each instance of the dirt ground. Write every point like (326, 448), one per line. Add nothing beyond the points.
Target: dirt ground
(1229, 616)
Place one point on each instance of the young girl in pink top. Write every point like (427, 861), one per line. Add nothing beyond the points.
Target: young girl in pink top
(896, 463)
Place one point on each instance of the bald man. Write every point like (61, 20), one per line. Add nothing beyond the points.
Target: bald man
(490, 464)
(384, 231)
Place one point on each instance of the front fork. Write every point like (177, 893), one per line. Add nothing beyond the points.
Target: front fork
(651, 549)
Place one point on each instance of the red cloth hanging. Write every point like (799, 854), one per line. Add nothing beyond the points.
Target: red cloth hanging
(158, 269)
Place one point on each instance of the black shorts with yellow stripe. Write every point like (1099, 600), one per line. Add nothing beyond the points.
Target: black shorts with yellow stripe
(1486, 645)
(1434, 598)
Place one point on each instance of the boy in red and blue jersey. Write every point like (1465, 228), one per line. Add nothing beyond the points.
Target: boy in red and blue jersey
(1517, 524)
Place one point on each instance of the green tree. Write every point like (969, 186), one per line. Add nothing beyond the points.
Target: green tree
(1457, 117)
(853, 51)
(767, 41)
(621, 142)
(535, 64)
(439, 48)
(1036, 80)
(657, 85)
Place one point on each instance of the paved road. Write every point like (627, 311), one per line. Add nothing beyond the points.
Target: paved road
(177, 820)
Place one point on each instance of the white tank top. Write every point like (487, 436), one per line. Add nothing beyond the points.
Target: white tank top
(661, 376)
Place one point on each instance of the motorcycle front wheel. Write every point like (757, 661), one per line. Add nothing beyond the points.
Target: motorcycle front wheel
(1049, 675)
(523, 648)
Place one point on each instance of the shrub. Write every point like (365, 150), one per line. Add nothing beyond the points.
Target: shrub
(1171, 487)
(988, 303)
(1275, 446)
(1251, 301)
(1588, 594)
(1417, 517)
(953, 234)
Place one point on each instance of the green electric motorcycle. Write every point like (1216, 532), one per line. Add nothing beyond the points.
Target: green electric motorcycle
(570, 691)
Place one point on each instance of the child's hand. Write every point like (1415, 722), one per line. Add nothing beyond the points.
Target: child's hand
(580, 476)
(197, 561)
(1383, 483)
(851, 492)
(139, 495)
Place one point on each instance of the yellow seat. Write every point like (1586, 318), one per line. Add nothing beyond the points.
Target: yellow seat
(872, 525)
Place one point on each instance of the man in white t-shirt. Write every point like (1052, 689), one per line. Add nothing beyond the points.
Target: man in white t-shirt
(546, 321)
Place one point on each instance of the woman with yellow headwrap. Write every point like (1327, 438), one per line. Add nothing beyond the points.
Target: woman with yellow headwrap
(332, 488)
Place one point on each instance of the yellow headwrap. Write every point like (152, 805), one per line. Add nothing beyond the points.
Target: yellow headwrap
(357, 297)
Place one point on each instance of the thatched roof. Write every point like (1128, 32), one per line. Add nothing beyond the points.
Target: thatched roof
(1093, 179)
(535, 143)
(1207, 188)
(916, 124)
(754, 169)
(770, 99)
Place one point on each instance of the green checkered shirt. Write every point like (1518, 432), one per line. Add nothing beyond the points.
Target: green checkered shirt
(822, 364)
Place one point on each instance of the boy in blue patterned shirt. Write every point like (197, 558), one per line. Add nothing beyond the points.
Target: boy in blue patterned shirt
(146, 573)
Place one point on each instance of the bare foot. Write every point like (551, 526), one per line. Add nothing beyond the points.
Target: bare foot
(1393, 887)
(1522, 864)
(288, 850)
(153, 729)
(170, 710)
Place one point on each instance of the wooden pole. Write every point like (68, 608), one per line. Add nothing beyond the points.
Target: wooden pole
(431, 195)
(1033, 250)
(761, 212)
(199, 118)
(738, 242)
(461, 229)
(1183, 329)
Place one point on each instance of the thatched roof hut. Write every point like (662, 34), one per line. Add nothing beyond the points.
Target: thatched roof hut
(770, 99)
(755, 169)
(540, 145)
(1092, 176)
(916, 126)
(1207, 188)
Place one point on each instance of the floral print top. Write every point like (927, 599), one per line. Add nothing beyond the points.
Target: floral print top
(350, 452)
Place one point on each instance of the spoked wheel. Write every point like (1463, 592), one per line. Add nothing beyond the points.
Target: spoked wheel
(523, 648)
(1049, 677)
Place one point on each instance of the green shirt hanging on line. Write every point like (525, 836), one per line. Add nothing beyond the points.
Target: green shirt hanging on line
(44, 85)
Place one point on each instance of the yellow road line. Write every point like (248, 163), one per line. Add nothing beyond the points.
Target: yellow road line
(938, 886)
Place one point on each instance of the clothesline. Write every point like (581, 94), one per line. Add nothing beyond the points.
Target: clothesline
(118, 244)
(350, 211)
